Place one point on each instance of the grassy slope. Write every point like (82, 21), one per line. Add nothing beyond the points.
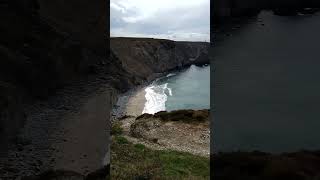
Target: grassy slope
(135, 161)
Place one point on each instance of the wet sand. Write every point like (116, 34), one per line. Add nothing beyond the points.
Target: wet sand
(136, 102)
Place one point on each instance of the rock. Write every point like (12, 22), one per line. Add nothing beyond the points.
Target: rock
(188, 116)
(156, 55)
(182, 130)
(155, 140)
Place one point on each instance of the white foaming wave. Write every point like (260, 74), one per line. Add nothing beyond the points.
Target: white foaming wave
(156, 98)
(170, 74)
(165, 87)
(170, 91)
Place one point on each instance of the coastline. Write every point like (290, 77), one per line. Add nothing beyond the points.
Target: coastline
(120, 108)
(132, 102)
(177, 136)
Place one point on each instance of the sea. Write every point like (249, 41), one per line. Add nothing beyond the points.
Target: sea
(186, 89)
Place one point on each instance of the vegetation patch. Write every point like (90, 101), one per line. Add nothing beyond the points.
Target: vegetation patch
(116, 128)
(125, 117)
(135, 161)
(188, 116)
(121, 140)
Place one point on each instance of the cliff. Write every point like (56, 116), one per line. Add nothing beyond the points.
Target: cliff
(143, 57)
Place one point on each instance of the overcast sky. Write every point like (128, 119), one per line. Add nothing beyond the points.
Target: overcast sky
(182, 20)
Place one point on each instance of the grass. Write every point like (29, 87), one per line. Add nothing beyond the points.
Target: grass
(135, 161)
(116, 128)
(187, 116)
(121, 140)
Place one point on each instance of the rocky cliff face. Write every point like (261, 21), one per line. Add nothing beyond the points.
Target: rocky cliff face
(142, 58)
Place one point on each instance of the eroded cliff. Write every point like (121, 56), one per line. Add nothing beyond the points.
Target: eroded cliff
(142, 57)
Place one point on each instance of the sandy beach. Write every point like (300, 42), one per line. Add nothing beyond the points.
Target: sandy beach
(135, 104)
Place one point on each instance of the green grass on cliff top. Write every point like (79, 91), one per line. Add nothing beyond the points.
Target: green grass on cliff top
(135, 161)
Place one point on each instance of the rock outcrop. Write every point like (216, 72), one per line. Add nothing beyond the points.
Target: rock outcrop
(180, 130)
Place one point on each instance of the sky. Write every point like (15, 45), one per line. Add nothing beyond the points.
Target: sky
(180, 20)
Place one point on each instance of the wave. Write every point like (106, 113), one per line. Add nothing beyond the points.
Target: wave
(170, 91)
(156, 98)
(170, 74)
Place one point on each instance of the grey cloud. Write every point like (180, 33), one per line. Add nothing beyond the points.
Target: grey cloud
(189, 23)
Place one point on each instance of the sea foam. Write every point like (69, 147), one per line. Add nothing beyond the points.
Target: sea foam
(170, 74)
(156, 98)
